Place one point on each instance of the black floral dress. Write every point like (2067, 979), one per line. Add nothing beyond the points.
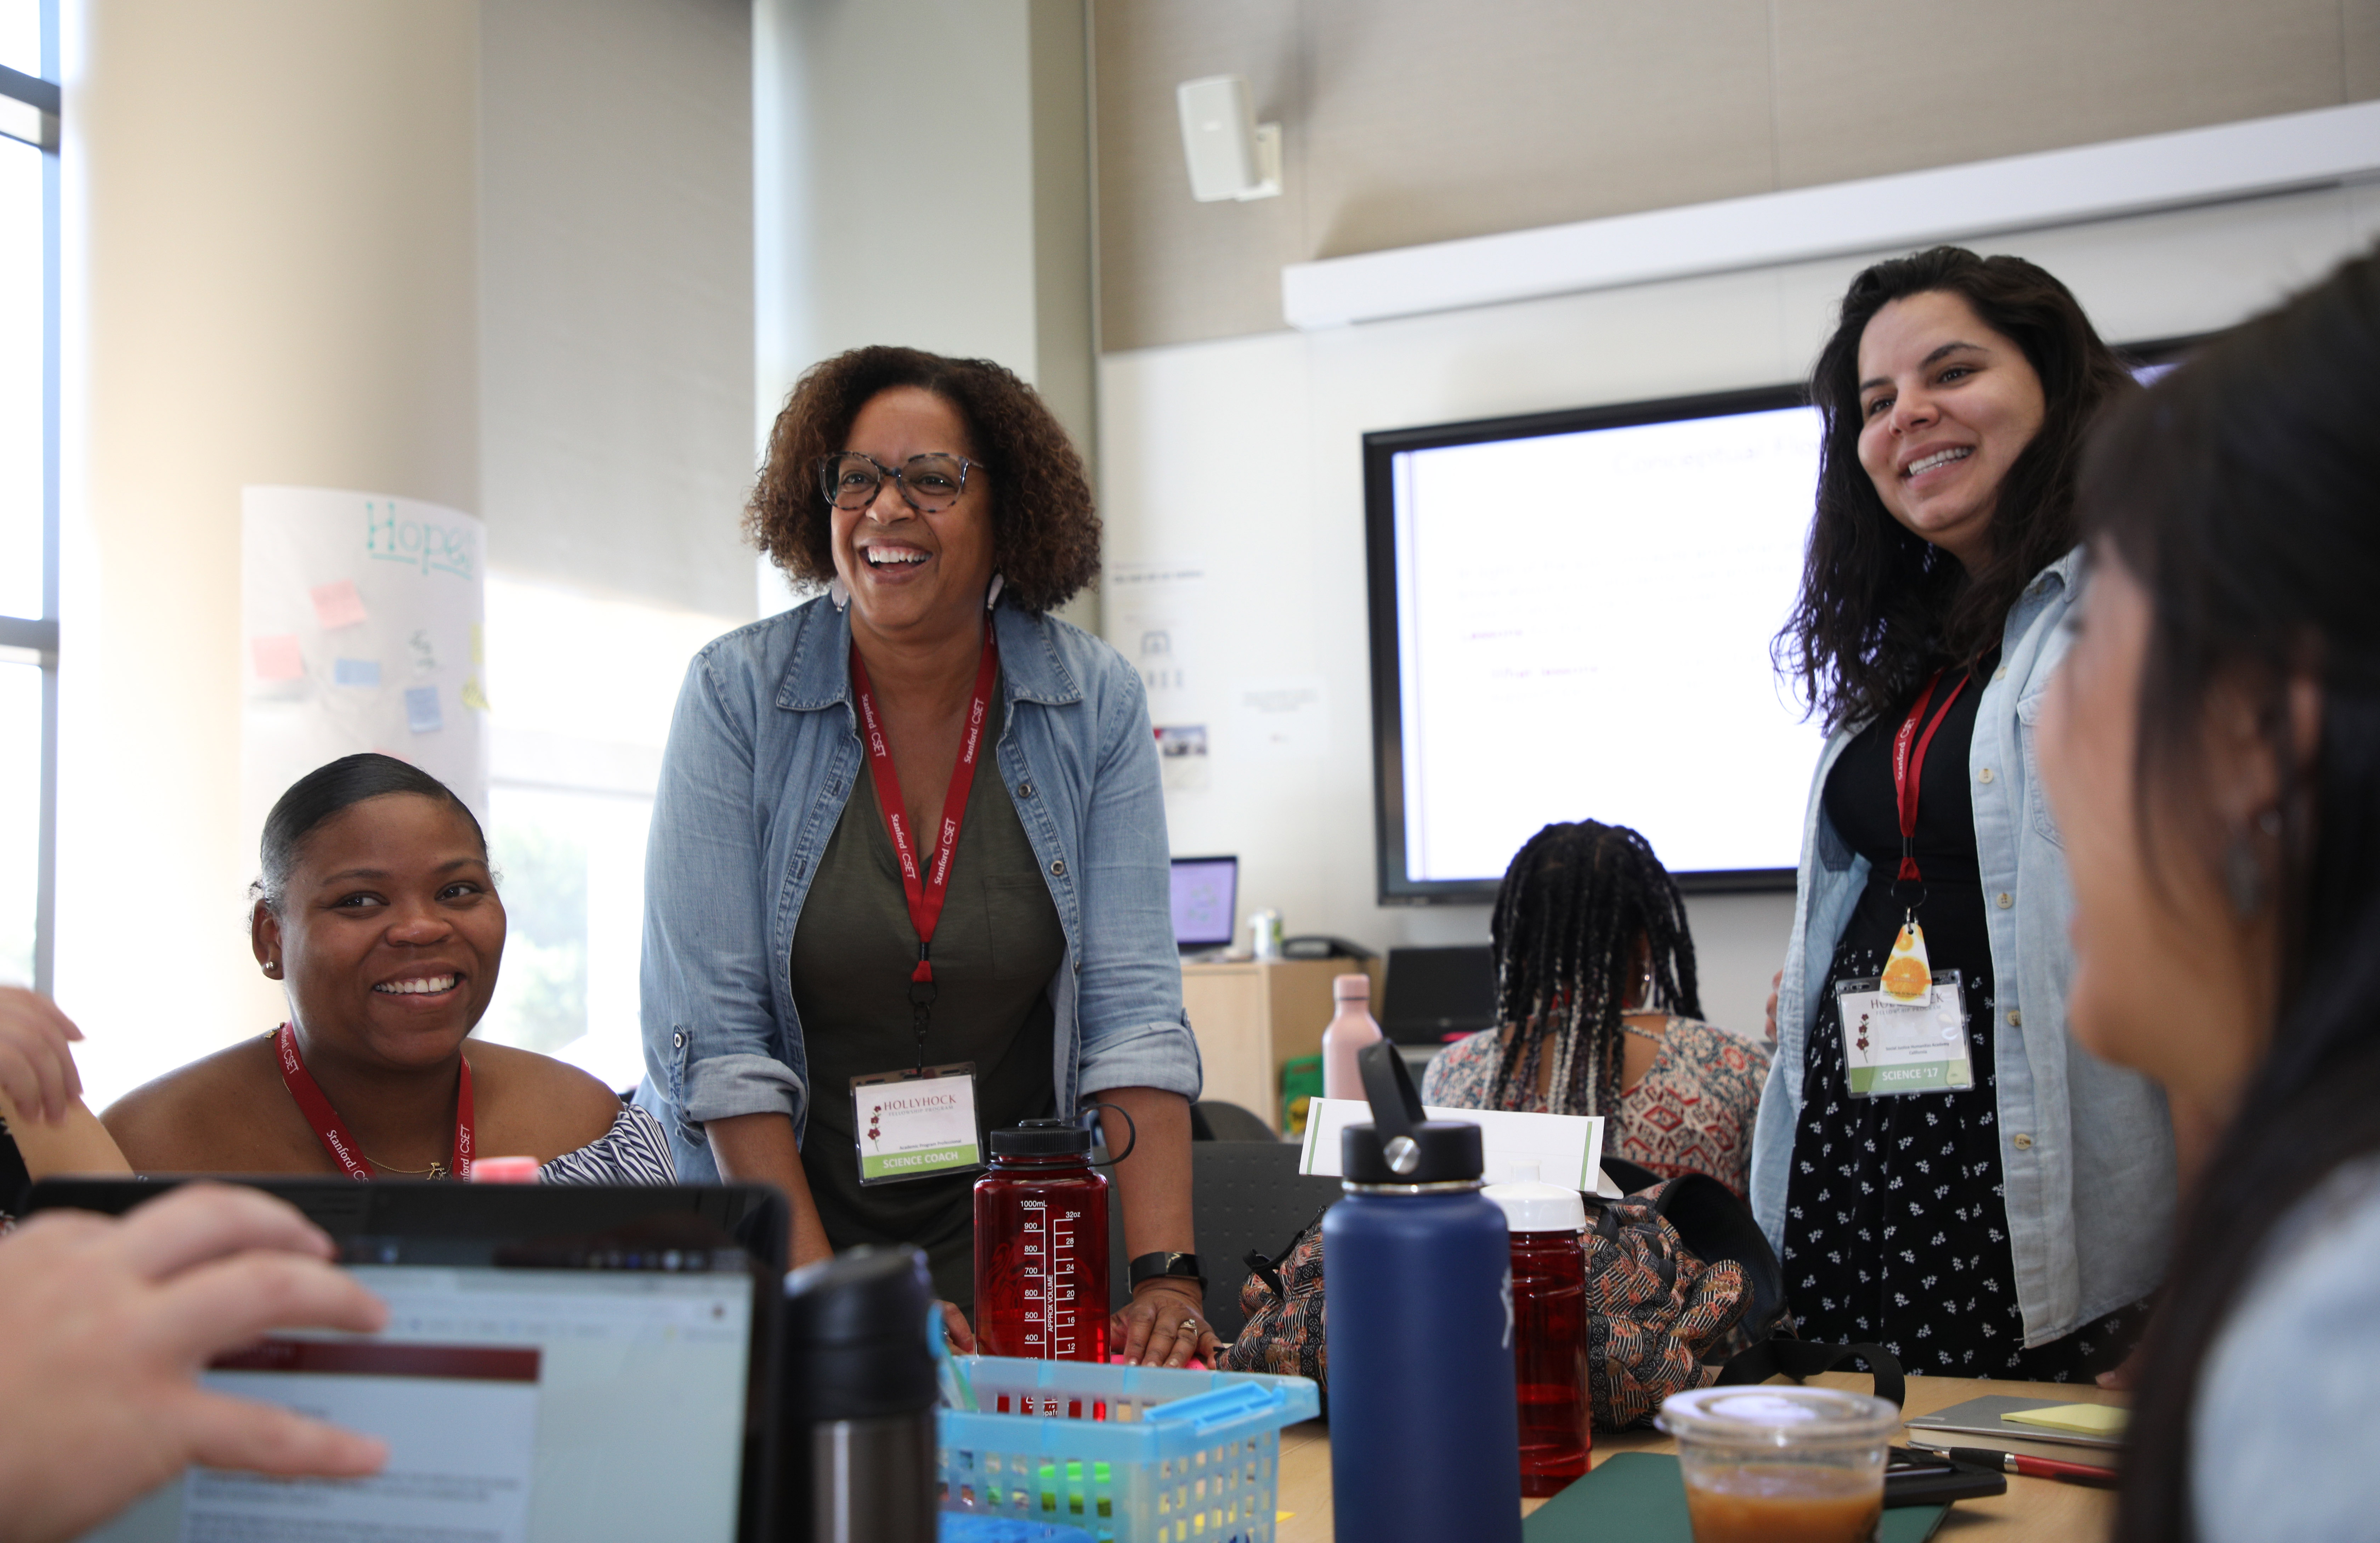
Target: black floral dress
(1896, 1231)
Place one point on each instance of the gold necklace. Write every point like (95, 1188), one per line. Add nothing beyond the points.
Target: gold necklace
(435, 1171)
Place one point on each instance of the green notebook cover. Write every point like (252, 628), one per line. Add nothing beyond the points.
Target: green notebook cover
(1638, 1496)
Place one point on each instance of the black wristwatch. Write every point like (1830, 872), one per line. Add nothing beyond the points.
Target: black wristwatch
(1167, 1267)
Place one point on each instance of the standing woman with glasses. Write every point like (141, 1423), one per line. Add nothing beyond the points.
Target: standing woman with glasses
(909, 847)
(1943, 1171)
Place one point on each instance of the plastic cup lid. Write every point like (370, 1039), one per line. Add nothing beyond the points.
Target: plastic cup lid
(1780, 1416)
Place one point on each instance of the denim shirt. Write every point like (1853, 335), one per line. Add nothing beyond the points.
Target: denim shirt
(2086, 1151)
(764, 750)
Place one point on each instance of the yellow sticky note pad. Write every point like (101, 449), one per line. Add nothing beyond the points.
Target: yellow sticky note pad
(2085, 1419)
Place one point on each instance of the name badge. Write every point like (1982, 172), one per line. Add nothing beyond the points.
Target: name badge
(915, 1124)
(1899, 1047)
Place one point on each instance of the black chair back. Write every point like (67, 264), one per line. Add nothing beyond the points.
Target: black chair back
(1245, 1196)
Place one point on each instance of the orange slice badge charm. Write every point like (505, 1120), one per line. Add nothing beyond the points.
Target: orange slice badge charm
(1908, 977)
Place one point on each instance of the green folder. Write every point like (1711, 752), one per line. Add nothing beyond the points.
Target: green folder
(1638, 1496)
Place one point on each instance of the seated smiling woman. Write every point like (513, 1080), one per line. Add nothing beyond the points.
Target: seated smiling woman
(378, 912)
(2213, 746)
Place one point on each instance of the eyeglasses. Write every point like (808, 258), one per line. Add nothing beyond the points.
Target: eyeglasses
(927, 483)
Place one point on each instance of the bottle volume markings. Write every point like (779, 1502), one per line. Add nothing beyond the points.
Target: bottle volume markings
(1052, 1281)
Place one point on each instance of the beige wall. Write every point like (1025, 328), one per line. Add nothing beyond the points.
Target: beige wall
(615, 271)
(272, 277)
(1408, 121)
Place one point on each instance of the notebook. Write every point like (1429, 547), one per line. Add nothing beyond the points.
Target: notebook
(1638, 1496)
(561, 1362)
(1982, 1417)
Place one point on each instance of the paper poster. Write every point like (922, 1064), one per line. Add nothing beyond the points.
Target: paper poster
(1181, 756)
(1567, 1148)
(362, 617)
(1155, 616)
(1287, 719)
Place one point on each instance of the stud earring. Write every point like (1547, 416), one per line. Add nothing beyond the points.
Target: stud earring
(272, 970)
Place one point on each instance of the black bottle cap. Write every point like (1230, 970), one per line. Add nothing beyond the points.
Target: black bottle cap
(1040, 1138)
(1434, 1151)
(854, 1336)
(1400, 1146)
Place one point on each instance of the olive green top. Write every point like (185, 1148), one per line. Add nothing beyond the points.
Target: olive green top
(996, 946)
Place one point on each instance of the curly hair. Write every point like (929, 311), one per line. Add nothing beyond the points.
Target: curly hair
(1568, 914)
(1045, 528)
(1880, 606)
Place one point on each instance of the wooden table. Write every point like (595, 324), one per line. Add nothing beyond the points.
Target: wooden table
(2032, 1508)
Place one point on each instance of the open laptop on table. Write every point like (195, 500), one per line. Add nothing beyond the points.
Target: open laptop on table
(569, 1362)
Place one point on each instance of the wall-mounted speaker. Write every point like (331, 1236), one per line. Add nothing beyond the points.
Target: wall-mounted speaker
(1231, 154)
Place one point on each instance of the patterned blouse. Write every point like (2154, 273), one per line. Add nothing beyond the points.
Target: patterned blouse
(1690, 1113)
(634, 1150)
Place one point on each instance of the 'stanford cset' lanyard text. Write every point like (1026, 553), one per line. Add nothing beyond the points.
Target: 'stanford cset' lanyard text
(334, 1135)
(1909, 765)
(926, 889)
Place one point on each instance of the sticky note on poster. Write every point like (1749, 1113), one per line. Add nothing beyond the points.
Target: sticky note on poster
(337, 604)
(355, 672)
(1567, 1148)
(277, 657)
(473, 698)
(421, 711)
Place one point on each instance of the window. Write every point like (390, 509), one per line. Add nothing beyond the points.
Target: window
(580, 692)
(29, 485)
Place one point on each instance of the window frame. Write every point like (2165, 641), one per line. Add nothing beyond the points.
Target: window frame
(38, 634)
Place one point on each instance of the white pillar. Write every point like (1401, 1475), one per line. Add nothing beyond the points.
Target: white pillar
(270, 278)
(922, 176)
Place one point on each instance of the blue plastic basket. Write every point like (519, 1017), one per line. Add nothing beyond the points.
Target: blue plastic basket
(1130, 1455)
(956, 1528)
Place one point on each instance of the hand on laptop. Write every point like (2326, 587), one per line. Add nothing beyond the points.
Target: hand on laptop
(110, 1321)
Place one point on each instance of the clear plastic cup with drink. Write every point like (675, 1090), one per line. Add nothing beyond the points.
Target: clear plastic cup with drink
(1782, 1464)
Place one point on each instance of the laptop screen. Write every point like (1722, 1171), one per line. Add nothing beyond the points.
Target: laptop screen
(521, 1404)
(1205, 890)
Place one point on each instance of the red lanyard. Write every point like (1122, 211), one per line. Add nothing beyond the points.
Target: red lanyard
(926, 890)
(333, 1136)
(1909, 765)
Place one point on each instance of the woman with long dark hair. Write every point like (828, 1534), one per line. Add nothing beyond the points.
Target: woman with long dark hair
(2214, 746)
(1941, 1171)
(1599, 1013)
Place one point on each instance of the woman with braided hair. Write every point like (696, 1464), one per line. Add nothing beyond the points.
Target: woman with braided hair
(1600, 1014)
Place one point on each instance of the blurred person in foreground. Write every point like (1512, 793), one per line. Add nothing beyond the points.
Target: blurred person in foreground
(44, 1126)
(2212, 749)
(111, 1320)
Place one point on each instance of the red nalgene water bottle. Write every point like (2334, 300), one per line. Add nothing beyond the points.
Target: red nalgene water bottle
(1549, 1327)
(1041, 1246)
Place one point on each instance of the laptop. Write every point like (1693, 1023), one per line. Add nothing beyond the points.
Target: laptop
(1434, 995)
(1206, 889)
(561, 1362)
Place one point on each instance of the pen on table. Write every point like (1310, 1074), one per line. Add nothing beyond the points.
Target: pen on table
(2032, 1467)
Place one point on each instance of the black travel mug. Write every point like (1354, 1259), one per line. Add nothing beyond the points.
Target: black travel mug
(856, 1459)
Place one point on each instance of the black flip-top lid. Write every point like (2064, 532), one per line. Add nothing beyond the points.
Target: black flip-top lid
(854, 1334)
(1042, 1138)
(1400, 1147)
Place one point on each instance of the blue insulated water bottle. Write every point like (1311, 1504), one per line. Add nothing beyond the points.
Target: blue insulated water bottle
(1424, 1436)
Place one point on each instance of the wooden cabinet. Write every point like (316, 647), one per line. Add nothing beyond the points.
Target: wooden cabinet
(1252, 1018)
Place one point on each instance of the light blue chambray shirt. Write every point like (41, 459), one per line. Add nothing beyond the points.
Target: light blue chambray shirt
(2280, 1437)
(2086, 1150)
(763, 752)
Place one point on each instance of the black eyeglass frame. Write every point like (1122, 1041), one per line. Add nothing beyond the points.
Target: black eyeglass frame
(829, 463)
